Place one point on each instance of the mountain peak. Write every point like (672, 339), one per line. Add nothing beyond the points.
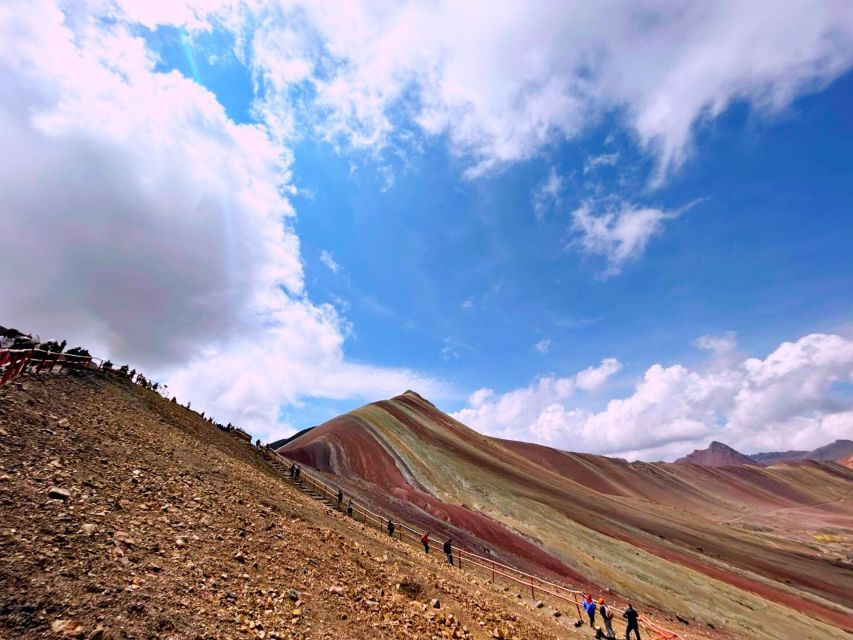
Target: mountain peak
(718, 454)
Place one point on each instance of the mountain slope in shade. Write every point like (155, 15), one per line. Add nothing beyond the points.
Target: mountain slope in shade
(726, 545)
(772, 457)
(836, 451)
(716, 455)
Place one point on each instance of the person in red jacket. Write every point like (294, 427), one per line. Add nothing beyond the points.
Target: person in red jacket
(425, 541)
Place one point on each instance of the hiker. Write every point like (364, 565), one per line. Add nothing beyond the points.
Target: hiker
(297, 472)
(631, 616)
(425, 541)
(589, 606)
(448, 551)
(607, 616)
(349, 508)
(340, 498)
(391, 528)
(293, 472)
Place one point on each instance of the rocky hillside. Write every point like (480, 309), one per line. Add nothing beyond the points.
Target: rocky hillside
(127, 516)
(716, 455)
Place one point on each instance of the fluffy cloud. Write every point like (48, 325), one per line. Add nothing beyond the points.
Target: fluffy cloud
(503, 80)
(141, 221)
(784, 401)
(619, 233)
(530, 409)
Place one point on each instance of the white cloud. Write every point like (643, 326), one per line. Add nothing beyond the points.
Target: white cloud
(517, 413)
(504, 81)
(603, 160)
(718, 344)
(619, 233)
(546, 195)
(450, 349)
(165, 219)
(784, 401)
(543, 346)
(468, 303)
(328, 259)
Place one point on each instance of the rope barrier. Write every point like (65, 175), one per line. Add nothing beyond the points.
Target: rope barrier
(489, 565)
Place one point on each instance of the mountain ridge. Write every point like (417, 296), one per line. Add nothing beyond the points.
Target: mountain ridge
(690, 525)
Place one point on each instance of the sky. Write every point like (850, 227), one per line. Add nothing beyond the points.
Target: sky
(620, 227)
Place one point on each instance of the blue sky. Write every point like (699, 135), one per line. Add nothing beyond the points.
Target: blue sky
(588, 230)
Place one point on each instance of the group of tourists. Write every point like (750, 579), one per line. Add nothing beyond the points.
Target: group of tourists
(295, 472)
(630, 615)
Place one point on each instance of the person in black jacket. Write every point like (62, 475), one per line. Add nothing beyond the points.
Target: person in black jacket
(349, 508)
(448, 551)
(340, 498)
(631, 616)
(391, 528)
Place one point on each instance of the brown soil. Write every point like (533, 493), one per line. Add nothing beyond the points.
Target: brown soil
(127, 516)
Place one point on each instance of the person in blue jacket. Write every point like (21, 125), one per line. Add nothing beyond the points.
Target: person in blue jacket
(589, 605)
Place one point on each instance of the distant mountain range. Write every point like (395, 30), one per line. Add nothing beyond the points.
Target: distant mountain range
(719, 454)
(280, 443)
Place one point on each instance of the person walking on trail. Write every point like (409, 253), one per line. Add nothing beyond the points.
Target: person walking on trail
(631, 616)
(391, 528)
(589, 606)
(607, 616)
(340, 498)
(349, 508)
(293, 472)
(425, 541)
(296, 473)
(448, 551)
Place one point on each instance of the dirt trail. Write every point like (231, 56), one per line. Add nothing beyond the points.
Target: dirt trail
(127, 516)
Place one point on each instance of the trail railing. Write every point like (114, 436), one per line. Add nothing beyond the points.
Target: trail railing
(466, 558)
(16, 362)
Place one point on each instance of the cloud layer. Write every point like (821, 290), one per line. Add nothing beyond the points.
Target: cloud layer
(504, 80)
(785, 401)
(142, 222)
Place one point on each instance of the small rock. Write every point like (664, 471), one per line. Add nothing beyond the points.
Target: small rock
(239, 557)
(68, 628)
(557, 614)
(336, 590)
(539, 604)
(63, 423)
(88, 529)
(293, 594)
(102, 634)
(55, 493)
(436, 604)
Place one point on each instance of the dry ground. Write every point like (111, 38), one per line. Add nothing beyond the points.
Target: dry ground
(123, 515)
